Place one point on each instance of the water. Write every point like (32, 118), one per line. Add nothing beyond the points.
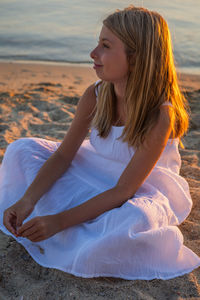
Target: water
(66, 31)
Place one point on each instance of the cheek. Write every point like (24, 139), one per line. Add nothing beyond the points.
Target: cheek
(125, 64)
(121, 65)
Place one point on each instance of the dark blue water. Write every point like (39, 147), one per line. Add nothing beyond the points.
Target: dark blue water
(66, 31)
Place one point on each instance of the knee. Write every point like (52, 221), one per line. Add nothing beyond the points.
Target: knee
(18, 147)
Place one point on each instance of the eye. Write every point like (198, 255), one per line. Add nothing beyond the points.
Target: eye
(105, 46)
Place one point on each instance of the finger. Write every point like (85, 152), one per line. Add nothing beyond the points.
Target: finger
(32, 230)
(8, 222)
(8, 225)
(25, 226)
(19, 222)
(10, 228)
(36, 237)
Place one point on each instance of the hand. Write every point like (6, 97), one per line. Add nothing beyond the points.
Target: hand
(40, 228)
(16, 214)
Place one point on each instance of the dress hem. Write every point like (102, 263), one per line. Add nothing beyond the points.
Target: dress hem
(96, 275)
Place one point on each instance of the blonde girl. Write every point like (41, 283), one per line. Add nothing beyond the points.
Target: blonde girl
(109, 206)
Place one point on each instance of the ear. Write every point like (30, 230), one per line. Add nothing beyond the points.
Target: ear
(131, 61)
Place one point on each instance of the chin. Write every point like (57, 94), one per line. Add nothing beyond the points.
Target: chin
(102, 76)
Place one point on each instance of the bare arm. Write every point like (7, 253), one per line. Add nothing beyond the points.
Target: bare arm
(58, 163)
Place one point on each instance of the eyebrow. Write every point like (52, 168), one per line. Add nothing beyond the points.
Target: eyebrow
(104, 39)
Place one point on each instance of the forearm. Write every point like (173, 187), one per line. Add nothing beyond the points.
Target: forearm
(52, 169)
(92, 208)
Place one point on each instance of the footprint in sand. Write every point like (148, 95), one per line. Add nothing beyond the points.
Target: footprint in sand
(195, 121)
(59, 115)
(4, 95)
(43, 105)
(42, 89)
(25, 70)
(50, 84)
(70, 100)
(46, 128)
(78, 80)
(3, 127)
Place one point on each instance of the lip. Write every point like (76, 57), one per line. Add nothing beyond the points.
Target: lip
(97, 66)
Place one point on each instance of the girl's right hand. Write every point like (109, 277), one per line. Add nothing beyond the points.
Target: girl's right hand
(16, 214)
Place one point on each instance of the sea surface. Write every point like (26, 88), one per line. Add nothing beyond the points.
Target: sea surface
(67, 30)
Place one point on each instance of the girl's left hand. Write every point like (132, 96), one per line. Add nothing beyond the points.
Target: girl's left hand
(39, 228)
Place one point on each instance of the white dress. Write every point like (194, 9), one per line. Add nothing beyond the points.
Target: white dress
(139, 240)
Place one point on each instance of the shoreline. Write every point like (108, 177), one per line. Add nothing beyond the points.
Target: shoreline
(180, 70)
(39, 100)
(47, 62)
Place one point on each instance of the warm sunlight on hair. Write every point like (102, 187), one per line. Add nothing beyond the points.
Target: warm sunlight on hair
(152, 77)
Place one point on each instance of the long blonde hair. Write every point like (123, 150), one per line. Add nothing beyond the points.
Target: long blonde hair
(152, 81)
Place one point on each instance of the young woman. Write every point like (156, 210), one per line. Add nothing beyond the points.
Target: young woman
(109, 206)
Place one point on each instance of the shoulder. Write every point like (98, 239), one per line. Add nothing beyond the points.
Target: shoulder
(165, 117)
(90, 91)
(93, 89)
(89, 97)
(164, 122)
(160, 132)
(86, 105)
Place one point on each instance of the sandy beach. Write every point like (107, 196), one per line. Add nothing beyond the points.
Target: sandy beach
(39, 100)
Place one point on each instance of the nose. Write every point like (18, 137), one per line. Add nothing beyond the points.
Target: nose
(93, 53)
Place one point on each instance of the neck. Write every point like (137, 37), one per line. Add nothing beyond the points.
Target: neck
(120, 88)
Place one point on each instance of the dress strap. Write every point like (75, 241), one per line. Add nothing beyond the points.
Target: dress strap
(97, 86)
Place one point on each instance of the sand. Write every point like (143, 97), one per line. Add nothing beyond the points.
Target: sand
(40, 100)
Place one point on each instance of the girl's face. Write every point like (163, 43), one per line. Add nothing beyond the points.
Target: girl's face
(110, 60)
